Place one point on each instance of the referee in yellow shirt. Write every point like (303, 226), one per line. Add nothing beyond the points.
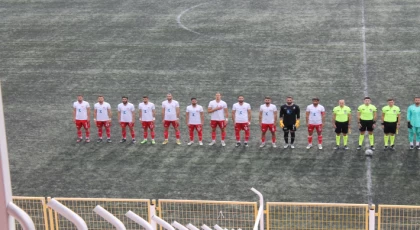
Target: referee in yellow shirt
(391, 118)
(341, 122)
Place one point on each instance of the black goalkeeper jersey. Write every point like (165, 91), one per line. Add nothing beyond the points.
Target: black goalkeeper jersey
(289, 113)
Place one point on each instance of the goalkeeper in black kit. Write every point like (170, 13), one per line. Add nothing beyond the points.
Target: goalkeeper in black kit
(289, 121)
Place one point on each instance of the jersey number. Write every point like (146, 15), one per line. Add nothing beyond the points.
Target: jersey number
(145, 111)
(193, 114)
(124, 112)
(100, 111)
(80, 110)
(240, 112)
(314, 114)
(266, 113)
(169, 110)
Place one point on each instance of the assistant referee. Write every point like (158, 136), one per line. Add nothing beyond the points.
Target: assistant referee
(390, 122)
(341, 122)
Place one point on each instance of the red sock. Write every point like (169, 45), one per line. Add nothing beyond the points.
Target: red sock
(87, 133)
(213, 135)
(108, 132)
(247, 133)
(145, 134)
(133, 134)
(263, 139)
(273, 139)
(100, 132)
(79, 133)
(124, 133)
(178, 134)
(152, 134)
(237, 135)
(200, 135)
(320, 139)
(223, 135)
(166, 134)
(309, 139)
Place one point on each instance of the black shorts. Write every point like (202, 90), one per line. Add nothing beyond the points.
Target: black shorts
(390, 127)
(341, 127)
(366, 125)
(288, 128)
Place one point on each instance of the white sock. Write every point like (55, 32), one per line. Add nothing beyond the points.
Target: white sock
(411, 143)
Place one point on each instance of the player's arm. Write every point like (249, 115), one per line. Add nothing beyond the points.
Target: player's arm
(349, 117)
(187, 117)
(233, 116)
(260, 117)
(153, 114)
(74, 114)
(88, 115)
(399, 119)
(307, 117)
(333, 119)
(358, 118)
(133, 120)
(95, 111)
(109, 114)
(281, 115)
(275, 117)
(323, 118)
(210, 109)
(163, 114)
(382, 117)
(177, 113)
(226, 112)
(375, 116)
(297, 124)
(249, 116)
(202, 117)
(140, 113)
(119, 116)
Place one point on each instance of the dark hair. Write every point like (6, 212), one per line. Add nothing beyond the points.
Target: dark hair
(390, 99)
(101, 96)
(125, 97)
(290, 97)
(240, 96)
(267, 97)
(145, 96)
(417, 97)
(193, 98)
(366, 98)
(315, 99)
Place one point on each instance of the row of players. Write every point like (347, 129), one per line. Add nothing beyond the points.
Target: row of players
(241, 116)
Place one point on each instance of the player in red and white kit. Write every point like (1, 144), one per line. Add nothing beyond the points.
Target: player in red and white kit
(147, 119)
(195, 120)
(126, 117)
(241, 117)
(268, 121)
(170, 114)
(102, 117)
(219, 117)
(315, 120)
(81, 117)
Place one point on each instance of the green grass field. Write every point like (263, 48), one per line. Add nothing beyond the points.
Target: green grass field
(52, 50)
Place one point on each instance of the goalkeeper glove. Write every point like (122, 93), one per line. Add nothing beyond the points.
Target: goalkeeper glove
(281, 124)
(297, 123)
(409, 125)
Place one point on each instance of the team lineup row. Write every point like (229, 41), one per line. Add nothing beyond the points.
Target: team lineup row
(288, 114)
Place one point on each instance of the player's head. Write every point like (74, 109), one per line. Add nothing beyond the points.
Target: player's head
(341, 102)
(101, 99)
(390, 101)
(240, 99)
(193, 101)
(80, 98)
(124, 100)
(366, 100)
(218, 96)
(145, 99)
(417, 100)
(267, 100)
(289, 100)
(169, 97)
(315, 101)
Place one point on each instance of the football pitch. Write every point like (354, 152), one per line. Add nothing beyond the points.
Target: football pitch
(52, 50)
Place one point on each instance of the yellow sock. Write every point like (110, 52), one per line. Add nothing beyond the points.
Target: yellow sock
(345, 138)
(361, 138)
(337, 140)
(371, 139)
(392, 139)
(386, 139)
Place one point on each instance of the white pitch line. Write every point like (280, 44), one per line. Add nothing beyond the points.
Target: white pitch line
(178, 19)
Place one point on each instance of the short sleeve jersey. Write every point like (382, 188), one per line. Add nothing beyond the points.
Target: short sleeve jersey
(342, 113)
(147, 111)
(194, 114)
(391, 113)
(170, 110)
(268, 113)
(126, 112)
(315, 114)
(218, 115)
(241, 112)
(102, 111)
(366, 112)
(81, 110)
(413, 115)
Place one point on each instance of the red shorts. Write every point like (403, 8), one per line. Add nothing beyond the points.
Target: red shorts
(82, 123)
(265, 127)
(221, 124)
(241, 126)
(166, 124)
(318, 128)
(101, 124)
(148, 124)
(197, 127)
(125, 124)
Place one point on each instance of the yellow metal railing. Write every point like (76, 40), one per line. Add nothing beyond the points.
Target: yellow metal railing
(227, 214)
(84, 208)
(36, 208)
(282, 215)
(399, 217)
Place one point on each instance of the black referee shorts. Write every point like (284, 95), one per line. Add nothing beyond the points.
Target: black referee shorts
(390, 127)
(288, 128)
(341, 127)
(366, 125)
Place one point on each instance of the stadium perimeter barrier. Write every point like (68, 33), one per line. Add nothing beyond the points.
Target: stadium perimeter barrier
(227, 214)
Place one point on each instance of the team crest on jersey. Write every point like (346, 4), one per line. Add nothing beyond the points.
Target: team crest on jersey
(370, 110)
(345, 112)
(395, 111)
